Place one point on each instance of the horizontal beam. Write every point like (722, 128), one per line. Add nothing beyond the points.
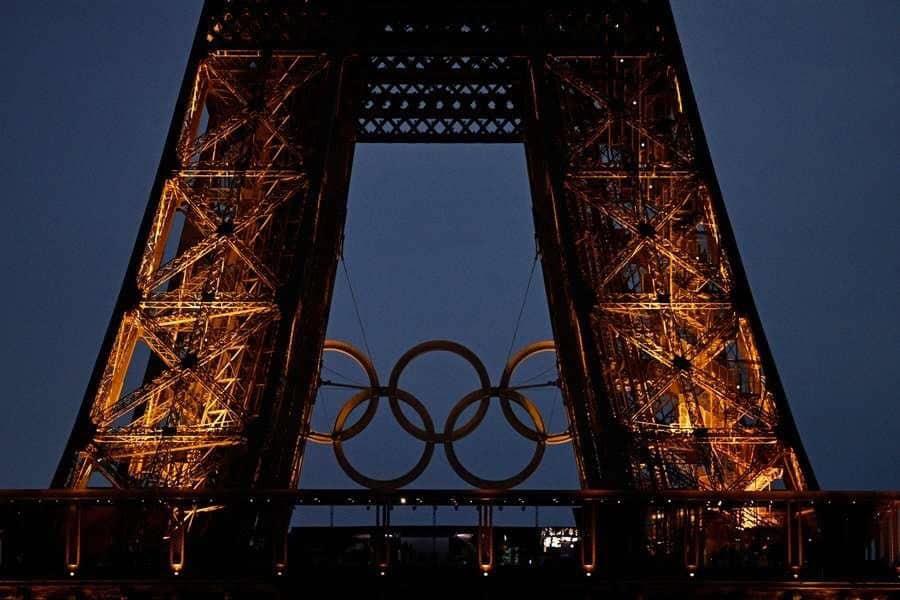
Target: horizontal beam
(353, 497)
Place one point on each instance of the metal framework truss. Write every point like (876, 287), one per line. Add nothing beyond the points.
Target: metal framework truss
(208, 279)
(667, 376)
(681, 363)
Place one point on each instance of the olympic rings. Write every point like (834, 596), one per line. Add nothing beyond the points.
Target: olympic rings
(494, 484)
(553, 439)
(340, 436)
(508, 396)
(363, 361)
(452, 348)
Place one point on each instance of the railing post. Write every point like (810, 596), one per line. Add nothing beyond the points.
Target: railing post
(73, 539)
(280, 527)
(383, 541)
(589, 538)
(485, 538)
(692, 549)
(177, 542)
(894, 537)
(793, 540)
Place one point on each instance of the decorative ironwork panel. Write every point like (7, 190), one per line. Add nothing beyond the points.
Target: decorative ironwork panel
(441, 99)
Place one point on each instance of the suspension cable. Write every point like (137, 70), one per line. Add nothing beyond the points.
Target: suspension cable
(359, 319)
(512, 342)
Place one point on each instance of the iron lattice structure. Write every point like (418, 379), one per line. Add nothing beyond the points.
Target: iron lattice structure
(667, 376)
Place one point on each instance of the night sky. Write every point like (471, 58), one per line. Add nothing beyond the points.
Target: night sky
(799, 103)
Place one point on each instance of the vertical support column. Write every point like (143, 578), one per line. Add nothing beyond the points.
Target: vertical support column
(693, 550)
(793, 531)
(801, 547)
(588, 535)
(600, 464)
(280, 518)
(73, 539)
(383, 539)
(894, 537)
(277, 448)
(485, 537)
(177, 542)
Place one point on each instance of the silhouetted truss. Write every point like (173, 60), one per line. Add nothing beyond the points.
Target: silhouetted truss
(664, 367)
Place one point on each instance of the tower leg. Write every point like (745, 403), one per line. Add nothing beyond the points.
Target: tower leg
(569, 302)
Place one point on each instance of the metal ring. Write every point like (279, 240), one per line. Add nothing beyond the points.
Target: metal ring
(494, 484)
(352, 352)
(450, 434)
(439, 346)
(521, 356)
(370, 482)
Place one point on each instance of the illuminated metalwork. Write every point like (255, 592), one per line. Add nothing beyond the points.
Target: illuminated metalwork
(663, 364)
(682, 433)
(680, 359)
(212, 264)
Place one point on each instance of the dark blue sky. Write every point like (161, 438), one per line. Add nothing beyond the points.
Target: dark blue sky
(799, 102)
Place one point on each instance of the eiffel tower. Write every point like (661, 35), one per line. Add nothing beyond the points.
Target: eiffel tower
(686, 450)
(668, 380)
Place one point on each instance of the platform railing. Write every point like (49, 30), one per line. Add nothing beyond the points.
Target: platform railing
(769, 536)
